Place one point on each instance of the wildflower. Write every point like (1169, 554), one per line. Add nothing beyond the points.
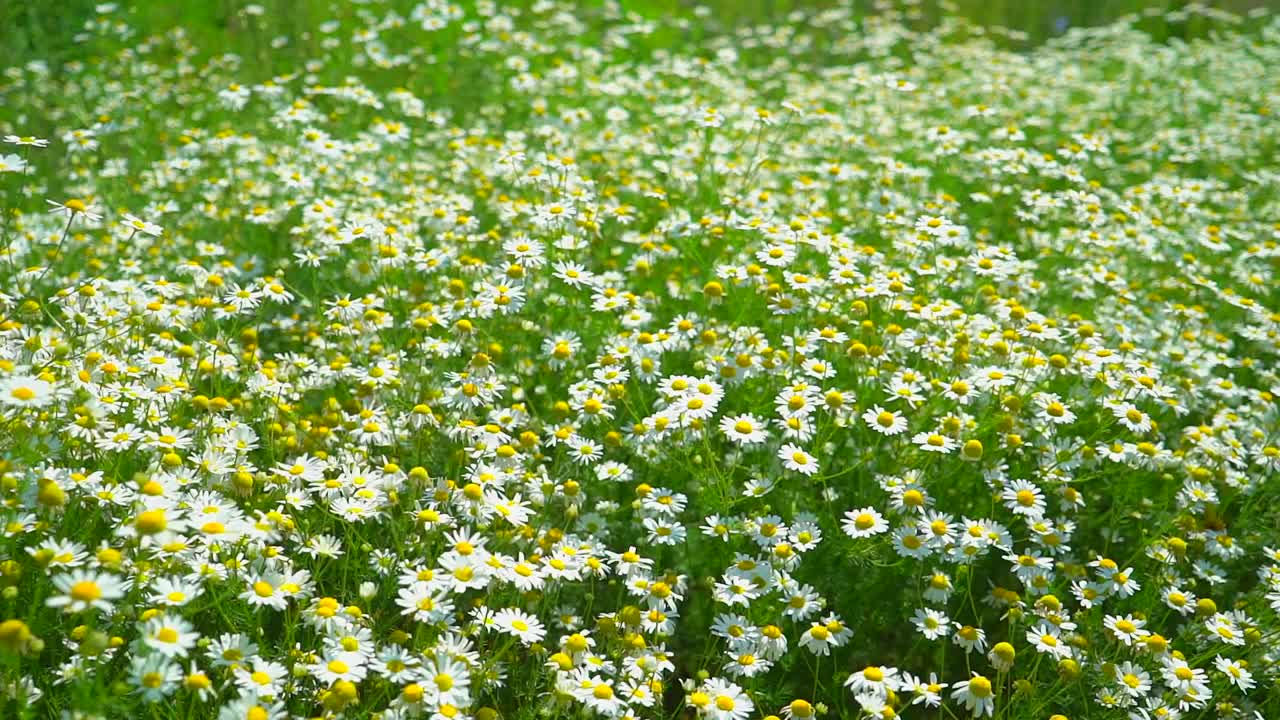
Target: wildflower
(249, 706)
(527, 628)
(722, 700)
(865, 522)
(1182, 602)
(1235, 673)
(884, 421)
(799, 709)
(1052, 410)
(26, 140)
(599, 695)
(135, 225)
(970, 638)
(260, 678)
(1127, 629)
(1024, 498)
(927, 693)
(81, 590)
(1046, 638)
(933, 442)
(156, 676)
(744, 429)
(1181, 677)
(23, 392)
(977, 695)
(821, 637)
(933, 624)
(337, 666)
(1002, 656)
(12, 163)
(273, 589)
(1133, 680)
(797, 460)
(73, 208)
(424, 602)
(874, 679)
(169, 636)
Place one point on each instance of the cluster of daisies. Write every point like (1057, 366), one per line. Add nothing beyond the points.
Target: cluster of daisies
(833, 368)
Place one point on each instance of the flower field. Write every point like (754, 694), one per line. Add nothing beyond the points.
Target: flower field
(539, 361)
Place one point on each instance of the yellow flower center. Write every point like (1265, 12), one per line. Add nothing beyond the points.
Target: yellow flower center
(151, 522)
(980, 687)
(85, 591)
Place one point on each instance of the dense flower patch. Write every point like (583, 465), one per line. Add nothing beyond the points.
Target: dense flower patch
(832, 369)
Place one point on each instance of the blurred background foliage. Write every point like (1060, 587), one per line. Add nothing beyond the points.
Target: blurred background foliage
(275, 37)
(48, 31)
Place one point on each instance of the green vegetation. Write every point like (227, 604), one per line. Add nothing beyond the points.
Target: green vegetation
(411, 360)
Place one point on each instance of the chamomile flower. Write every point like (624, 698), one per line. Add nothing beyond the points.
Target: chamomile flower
(1235, 673)
(934, 442)
(335, 666)
(932, 624)
(876, 680)
(170, 636)
(976, 694)
(885, 422)
(155, 676)
(1046, 638)
(797, 460)
(25, 392)
(745, 429)
(970, 638)
(822, 636)
(1024, 498)
(82, 590)
(722, 700)
(863, 523)
(526, 628)
(72, 209)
